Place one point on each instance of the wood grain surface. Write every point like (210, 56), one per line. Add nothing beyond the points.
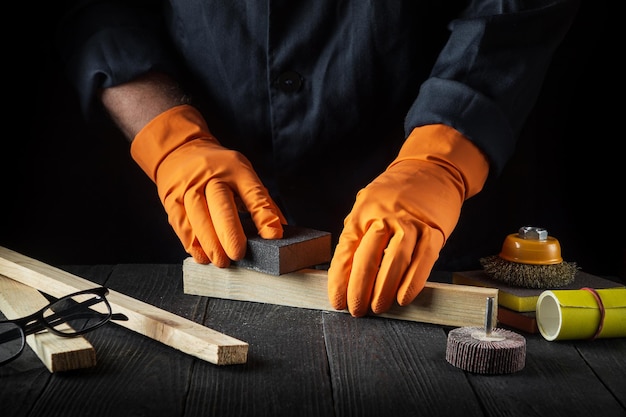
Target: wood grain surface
(143, 318)
(304, 362)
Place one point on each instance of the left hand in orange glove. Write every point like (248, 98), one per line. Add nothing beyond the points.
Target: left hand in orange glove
(202, 185)
(401, 220)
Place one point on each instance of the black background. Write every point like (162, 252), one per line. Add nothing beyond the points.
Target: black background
(71, 194)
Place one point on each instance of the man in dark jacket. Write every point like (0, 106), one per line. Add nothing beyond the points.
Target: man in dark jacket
(288, 110)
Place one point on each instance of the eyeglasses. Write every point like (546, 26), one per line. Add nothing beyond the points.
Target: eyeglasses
(69, 316)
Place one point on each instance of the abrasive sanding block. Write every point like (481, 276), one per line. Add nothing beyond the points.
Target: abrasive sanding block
(299, 248)
(525, 299)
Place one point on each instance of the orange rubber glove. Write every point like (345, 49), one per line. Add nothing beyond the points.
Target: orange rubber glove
(200, 183)
(401, 220)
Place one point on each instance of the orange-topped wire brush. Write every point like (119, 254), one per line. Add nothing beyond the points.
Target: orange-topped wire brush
(530, 258)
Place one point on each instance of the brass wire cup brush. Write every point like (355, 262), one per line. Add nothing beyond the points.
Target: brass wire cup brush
(530, 258)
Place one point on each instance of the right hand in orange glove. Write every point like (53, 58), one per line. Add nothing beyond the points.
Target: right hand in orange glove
(401, 220)
(200, 184)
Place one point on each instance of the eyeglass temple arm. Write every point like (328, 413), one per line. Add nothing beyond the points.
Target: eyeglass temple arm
(62, 317)
(37, 327)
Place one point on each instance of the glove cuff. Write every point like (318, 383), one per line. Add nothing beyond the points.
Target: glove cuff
(166, 132)
(447, 147)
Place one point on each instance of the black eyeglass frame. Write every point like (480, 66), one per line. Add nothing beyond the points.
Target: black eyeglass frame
(36, 321)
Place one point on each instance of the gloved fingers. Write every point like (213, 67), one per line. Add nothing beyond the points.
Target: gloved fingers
(223, 216)
(341, 265)
(365, 266)
(177, 218)
(198, 254)
(266, 233)
(426, 254)
(265, 214)
(396, 259)
(200, 227)
(269, 220)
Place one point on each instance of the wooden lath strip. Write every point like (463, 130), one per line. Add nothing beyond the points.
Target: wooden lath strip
(143, 318)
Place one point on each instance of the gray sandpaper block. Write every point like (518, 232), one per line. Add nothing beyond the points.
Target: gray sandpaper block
(299, 248)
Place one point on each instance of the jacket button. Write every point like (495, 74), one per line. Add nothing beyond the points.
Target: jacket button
(289, 82)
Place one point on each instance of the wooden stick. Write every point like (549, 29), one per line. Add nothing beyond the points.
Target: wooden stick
(438, 303)
(57, 353)
(148, 320)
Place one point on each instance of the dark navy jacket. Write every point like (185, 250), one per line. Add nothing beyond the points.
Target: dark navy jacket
(320, 94)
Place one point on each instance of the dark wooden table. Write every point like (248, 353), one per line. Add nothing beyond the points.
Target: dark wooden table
(304, 363)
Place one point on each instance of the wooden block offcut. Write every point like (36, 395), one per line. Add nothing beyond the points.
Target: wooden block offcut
(57, 353)
(438, 303)
(299, 248)
(168, 328)
(526, 321)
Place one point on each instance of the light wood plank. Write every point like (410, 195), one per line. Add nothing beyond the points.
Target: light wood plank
(438, 303)
(146, 319)
(57, 353)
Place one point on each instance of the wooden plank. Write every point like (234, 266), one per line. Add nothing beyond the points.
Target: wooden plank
(374, 365)
(57, 353)
(556, 381)
(606, 358)
(438, 303)
(286, 374)
(525, 321)
(395, 368)
(148, 320)
(146, 378)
